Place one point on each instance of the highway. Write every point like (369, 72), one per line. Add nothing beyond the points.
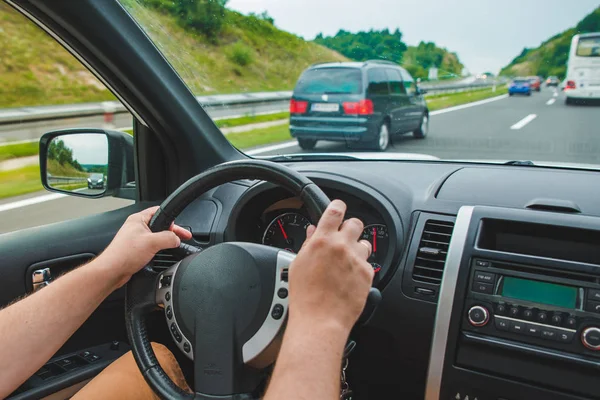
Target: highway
(539, 128)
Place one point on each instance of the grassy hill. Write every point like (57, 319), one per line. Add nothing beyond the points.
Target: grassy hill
(249, 54)
(550, 58)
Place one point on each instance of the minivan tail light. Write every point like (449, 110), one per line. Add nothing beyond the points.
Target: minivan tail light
(298, 107)
(570, 85)
(363, 107)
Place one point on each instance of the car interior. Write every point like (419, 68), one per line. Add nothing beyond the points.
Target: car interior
(488, 274)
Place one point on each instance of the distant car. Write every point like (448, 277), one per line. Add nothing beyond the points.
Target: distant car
(535, 82)
(96, 181)
(520, 86)
(363, 104)
(552, 81)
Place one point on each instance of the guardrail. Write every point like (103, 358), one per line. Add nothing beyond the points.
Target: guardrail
(217, 106)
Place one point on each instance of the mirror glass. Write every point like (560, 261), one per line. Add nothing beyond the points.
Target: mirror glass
(78, 163)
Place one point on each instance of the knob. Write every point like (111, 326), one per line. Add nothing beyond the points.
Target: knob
(590, 337)
(478, 316)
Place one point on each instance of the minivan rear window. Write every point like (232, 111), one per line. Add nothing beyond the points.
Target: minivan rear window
(330, 81)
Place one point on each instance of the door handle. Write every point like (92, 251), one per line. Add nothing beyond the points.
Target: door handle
(41, 278)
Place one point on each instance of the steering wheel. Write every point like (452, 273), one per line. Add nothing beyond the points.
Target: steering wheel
(226, 306)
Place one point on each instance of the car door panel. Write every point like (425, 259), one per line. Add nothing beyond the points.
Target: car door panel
(400, 102)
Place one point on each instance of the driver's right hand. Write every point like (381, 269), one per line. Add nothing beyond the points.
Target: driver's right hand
(330, 278)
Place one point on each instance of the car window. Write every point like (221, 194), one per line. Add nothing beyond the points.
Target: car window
(330, 81)
(43, 88)
(588, 47)
(396, 84)
(378, 82)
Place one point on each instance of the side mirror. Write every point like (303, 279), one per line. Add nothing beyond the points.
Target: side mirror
(88, 163)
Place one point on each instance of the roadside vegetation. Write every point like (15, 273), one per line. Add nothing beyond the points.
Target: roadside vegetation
(550, 58)
(16, 150)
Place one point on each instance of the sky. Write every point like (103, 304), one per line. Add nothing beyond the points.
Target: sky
(486, 34)
(88, 148)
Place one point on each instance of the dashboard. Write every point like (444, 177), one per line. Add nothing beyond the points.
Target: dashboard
(532, 228)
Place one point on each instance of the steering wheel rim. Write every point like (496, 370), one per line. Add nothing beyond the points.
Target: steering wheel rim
(141, 293)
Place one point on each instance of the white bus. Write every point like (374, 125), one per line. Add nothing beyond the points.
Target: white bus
(583, 68)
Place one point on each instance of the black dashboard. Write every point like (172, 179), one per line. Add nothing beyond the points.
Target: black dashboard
(413, 207)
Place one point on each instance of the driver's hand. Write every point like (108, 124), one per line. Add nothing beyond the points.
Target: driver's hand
(135, 244)
(330, 278)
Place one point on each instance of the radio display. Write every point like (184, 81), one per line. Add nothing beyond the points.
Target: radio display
(539, 292)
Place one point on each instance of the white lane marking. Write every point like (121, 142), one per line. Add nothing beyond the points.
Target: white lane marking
(274, 147)
(524, 121)
(555, 94)
(31, 201)
(551, 101)
(468, 105)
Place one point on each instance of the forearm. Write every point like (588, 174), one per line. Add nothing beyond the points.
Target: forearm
(309, 362)
(37, 326)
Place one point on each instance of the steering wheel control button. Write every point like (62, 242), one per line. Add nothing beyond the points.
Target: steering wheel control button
(169, 312)
(478, 316)
(513, 312)
(282, 293)
(590, 337)
(165, 281)
(176, 333)
(168, 296)
(277, 311)
(186, 347)
(501, 324)
(485, 288)
(485, 277)
(592, 306)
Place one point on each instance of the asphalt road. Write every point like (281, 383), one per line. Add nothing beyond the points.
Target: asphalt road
(538, 128)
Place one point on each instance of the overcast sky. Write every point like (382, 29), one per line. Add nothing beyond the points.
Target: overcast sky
(89, 148)
(486, 34)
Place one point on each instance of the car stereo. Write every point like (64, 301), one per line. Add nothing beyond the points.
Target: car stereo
(513, 302)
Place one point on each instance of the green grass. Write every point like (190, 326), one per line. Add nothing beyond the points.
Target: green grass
(18, 150)
(246, 140)
(440, 101)
(20, 181)
(247, 120)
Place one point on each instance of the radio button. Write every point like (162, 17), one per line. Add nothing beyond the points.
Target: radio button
(533, 330)
(528, 313)
(480, 287)
(517, 327)
(485, 277)
(592, 306)
(501, 324)
(593, 294)
(564, 336)
(501, 309)
(478, 316)
(590, 337)
(571, 322)
(556, 319)
(482, 263)
(514, 311)
(542, 317)
(549, 333)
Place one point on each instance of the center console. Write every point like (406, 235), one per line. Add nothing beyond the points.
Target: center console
(519, 308)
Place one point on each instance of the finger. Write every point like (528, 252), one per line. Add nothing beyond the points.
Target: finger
(310, 231)
(332, 217)
(352, 228)
(183, 233)
(165, 240)
(148, 213)
(364, 249)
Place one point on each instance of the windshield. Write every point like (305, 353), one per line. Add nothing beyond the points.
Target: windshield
(588, 47)
(388, 79)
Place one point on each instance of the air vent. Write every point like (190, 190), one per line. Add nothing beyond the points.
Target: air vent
(163, 260)
(432, 252)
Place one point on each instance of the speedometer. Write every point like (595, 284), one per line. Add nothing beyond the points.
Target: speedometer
(287, 231)
(377, 235)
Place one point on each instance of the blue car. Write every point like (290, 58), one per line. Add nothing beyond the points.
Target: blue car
(519, 86)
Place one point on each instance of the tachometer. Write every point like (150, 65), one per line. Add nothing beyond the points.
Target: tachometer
(287, 231)
(377, 235)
